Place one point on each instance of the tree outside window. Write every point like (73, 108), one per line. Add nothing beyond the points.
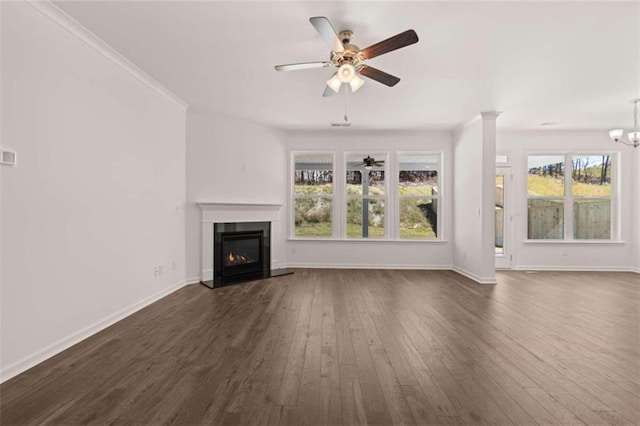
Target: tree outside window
(591, 191)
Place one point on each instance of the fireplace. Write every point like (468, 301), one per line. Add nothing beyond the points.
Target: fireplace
(242, 225)
(241, 252)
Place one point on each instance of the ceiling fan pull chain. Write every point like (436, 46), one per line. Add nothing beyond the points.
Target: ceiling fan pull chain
(346, 111)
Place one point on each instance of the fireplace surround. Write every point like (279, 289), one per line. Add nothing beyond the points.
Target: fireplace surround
(237, 221)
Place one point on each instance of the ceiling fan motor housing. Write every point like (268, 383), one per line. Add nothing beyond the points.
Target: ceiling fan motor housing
(345, 36)
(350, 54)
(345, 57)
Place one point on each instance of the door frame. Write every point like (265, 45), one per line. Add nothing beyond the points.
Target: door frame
(506, 259)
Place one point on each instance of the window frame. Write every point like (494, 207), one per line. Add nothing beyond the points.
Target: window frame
(399, 198)
(346, 197)
(568, 197)
(391, 198)
(293, 196)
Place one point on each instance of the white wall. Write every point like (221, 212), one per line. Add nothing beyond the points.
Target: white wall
(571, 255)
(97, 198)
(230, 160)
(371, 253)
(474, 204)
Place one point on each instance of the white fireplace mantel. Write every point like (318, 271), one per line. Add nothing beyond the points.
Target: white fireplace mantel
(239, 212)
(236, 212)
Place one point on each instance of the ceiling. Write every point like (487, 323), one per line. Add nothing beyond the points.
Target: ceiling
(572, 63)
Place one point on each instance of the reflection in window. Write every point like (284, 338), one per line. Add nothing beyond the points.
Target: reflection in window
(365, 189)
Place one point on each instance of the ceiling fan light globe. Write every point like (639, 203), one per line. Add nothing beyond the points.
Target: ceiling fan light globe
(356, 83)
(616, 134)
(346, 72)
(634, 137)
(334, 83)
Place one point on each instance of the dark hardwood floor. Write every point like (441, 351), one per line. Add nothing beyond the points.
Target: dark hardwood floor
(356, 347)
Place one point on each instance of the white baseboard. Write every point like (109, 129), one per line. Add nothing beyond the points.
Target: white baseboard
(361, 266)
(474, 277)
(571, 268)
(479, 280)
(193, 280)
(65, 343)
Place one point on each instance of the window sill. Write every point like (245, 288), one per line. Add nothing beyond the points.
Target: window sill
(363, 240)
(580, 242)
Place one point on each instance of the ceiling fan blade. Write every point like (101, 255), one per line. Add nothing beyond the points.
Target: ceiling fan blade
(328, 91)
(302, 66)
(392, 43)
(377, 75)
(328, 34)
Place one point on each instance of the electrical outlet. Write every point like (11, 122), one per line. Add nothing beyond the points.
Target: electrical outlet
(156, 271)
(174, 265)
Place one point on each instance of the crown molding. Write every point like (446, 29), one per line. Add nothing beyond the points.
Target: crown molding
(60, 17)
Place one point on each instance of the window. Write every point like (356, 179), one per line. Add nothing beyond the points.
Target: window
(365, 195)
(591, 192)
(356, 205)
(418, 195)
(313, 195)
(545, 193)
(569, 196)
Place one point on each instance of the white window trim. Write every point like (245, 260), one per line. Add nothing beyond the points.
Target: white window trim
(385, 198)
(568, 196)
(391, 197)
(293, 196)
(439, 218)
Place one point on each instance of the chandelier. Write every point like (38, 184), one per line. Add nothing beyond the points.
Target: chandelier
(634, 137)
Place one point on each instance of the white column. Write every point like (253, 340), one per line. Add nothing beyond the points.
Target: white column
(488, 264)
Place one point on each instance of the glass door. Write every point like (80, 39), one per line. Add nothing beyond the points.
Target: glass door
(503, 218)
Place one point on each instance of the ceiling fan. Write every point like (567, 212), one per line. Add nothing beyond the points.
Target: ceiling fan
(349, 58)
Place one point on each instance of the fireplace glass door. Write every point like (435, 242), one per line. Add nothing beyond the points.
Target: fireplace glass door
(241, 253)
